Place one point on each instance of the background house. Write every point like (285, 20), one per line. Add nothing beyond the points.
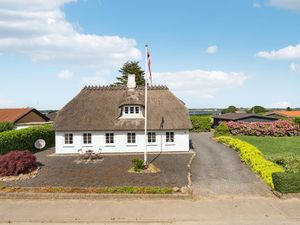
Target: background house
(112, 119)
(23, 117)
(244, 117)
(284, 114)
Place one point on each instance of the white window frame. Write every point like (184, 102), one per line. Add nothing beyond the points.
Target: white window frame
(69, 138)
(131, 138)
(109, 138)
(87, 138)
(126, 110)
(151, 137)
(170, 137)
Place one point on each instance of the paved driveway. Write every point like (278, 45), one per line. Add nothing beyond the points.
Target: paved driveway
(217, 170)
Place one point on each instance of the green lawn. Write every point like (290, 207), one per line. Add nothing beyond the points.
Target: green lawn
(281, 150)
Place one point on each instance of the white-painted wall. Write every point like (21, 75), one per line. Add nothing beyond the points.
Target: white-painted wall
(120, 145)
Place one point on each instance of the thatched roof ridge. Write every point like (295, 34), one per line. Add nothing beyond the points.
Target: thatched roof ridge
(99, 108)
(113, 88)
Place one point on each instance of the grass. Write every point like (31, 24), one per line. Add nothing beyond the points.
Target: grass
(284, 151)
(275, 146)
(121, 189)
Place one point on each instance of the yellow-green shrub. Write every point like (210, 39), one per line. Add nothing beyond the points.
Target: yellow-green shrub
(251, 156)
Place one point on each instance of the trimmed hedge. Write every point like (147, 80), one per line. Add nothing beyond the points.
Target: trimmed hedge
(287, 182)
(222, 130)
(5, 126)
(24, 139)
(251, 156)
(201, 123)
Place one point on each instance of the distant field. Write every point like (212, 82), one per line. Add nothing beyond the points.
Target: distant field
(275, 146)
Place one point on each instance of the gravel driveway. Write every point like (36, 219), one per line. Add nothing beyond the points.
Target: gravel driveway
(111, 170)
(217, 170)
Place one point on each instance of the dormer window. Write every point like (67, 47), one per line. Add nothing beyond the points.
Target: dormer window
(132, 111)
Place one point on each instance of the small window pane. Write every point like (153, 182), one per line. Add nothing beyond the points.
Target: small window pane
(87, 138)
(130, 137)
(68, 138)
(169, 136)
(109, 138)
(137, 110)
(126, 110)
(131, 110)
(151, 137)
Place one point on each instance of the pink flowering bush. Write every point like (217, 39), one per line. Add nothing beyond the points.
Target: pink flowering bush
(277, 129)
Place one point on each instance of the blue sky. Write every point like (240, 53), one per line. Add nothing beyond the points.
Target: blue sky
(210, 53)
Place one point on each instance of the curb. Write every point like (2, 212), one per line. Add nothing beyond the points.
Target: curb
(32, 195)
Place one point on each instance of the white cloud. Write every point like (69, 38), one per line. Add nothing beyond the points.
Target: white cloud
(289, 52)
(39, 30)
(212, 49)
(65, 74)
(283, 104)
(199, 83)
(287, 4)
(295, 67)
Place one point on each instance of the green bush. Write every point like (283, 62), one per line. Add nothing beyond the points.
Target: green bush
(290, 162)
(201, 123)
(24, 139)
(138, 164)
(222, 130)
(297, 120)
(5, 126)
(287, 182)
(252, 157)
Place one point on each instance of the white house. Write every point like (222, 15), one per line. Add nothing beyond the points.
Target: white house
(111, 119)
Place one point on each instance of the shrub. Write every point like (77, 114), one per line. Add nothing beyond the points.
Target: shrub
(221, 130)
(25, 138)
(277, 129)
(4, 126)
(251, 156)
(297, 120)
(290, 163)
(138, 164)
(230, 109)
(201, 123)
(17, 162)
(287, 182)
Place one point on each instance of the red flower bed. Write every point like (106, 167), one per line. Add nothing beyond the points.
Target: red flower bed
(277, 129)
(17, 162)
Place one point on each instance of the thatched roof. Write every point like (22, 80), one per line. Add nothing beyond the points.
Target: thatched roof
(98, 108)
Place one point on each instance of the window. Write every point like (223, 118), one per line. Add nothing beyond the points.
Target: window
(87, 138)
(131, 110)
(126, 110)
(109, 138)
(169, 136)
(68, 138)
(137, 110)
(151, 137)
(130, 138)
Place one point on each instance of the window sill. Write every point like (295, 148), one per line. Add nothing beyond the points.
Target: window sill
(152, 144)
(131, 145)
(69, 146)
(170, 144)
(87, 146)
(109, 145)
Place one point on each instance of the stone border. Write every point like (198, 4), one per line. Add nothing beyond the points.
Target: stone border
(36, 195)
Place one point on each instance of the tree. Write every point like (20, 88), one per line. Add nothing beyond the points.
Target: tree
(230, 109)
(257, 109)
(130, 67)
(289, 109)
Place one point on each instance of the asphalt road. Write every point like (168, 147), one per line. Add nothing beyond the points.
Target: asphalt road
(217, 170)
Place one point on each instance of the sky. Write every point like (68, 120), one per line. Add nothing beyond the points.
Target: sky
(210, 53)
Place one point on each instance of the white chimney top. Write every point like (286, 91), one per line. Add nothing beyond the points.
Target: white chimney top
(131, 81)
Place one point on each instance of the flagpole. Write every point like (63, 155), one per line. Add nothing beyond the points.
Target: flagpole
(146, 103)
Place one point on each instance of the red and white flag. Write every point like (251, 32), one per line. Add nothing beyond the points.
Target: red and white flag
(149, 65)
